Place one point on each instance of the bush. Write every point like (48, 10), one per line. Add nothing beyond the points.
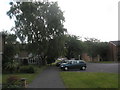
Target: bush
(27, 69)
(12, 82)
(11, 67)
(12, 79)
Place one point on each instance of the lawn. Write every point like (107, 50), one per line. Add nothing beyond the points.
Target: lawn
(89, 80)
(29, 77)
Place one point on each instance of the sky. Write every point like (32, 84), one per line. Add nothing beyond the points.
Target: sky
(84, 18)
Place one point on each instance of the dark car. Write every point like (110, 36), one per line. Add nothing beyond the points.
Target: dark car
(74, 64)
(59, 63)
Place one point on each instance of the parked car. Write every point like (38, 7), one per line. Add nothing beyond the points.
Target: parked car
(61, 62)
(74, 64)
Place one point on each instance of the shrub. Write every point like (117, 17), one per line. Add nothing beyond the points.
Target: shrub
(12, 79)
(11, 66)
(31, 70)
(27, 69)
(12, 82)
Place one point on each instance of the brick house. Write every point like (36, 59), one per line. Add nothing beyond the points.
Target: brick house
(114, 51)
(88, 58)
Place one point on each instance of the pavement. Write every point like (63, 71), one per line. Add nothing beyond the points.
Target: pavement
(49, 78)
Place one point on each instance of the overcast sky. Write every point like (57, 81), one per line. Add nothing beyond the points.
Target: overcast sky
(84, 18)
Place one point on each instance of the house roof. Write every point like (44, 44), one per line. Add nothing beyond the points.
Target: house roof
(116, 43)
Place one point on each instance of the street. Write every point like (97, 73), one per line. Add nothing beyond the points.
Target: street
(100, 67)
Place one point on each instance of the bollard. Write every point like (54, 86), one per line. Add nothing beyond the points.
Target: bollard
(24, 83)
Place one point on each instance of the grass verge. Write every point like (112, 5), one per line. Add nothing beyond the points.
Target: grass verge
(29, 77)
(89, 80)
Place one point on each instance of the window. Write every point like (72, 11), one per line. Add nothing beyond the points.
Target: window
(74, 62)
(81, 62)
(78, 61)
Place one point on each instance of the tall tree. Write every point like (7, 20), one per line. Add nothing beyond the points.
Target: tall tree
(57, 44)
(94, 47)
(10, 47)
(39, 23)
(103, 49)
(74, 47)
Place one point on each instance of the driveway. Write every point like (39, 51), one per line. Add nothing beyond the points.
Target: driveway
(100, 67)
(49, 78)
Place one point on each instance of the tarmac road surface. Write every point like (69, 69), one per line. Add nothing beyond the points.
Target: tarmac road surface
(100, 67)
(49, 78)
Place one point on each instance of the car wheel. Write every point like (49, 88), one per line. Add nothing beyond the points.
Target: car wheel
(66, 68)
(83, 68)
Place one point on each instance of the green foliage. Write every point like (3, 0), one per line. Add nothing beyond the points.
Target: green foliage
(11, 67)
(10, 47)
(9, 52)
(56, 49)
(9, 38)
(12, 82)
(27, 69)
(29, 76)
(103, 49)
(39, 23)
(94, 47)
(91, 46)
(12, 79)
(74, 47)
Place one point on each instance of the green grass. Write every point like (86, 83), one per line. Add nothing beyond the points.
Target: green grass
(89, 80)
(29, 77)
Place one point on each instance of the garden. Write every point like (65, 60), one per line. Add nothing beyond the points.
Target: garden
(14, 79)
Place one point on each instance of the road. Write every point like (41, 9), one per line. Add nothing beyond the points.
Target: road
(100, 67)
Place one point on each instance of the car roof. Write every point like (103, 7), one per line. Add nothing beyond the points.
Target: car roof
(77, 60)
